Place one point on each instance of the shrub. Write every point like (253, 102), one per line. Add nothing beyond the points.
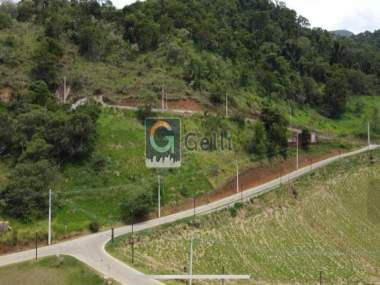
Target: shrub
(239, 119)
(235, 209)
(94, 226)
(26, 195)
(259, 143)
(5, 20)
(136, 206)
(144, 112)
(99, 162)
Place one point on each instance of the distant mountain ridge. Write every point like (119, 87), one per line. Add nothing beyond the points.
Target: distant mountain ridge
(342, 33)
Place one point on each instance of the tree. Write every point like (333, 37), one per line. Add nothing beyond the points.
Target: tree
(32, 122)
(358, 82)
(375, 121)
(313, 95)
(36, 149)
(276, 128)
(80, 133)
(136, 205)
(5, 20)
(336, 94)
(143, 31)
(25, 10)
(92, 40)
(26, 195)
(39, 93)
(259, 143)
(47, 60)
(7, 134)
(305, 139)
(71, 135)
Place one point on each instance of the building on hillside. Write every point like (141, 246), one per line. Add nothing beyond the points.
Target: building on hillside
(5, 94)
(297, 132)
(4, 227)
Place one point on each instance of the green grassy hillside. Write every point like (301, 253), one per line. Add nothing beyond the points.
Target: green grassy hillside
(63, 270)
(326, 221)
(87, 193)
(353, 123)
(136, 77)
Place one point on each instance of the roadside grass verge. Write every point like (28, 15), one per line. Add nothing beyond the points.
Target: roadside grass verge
(62, 270)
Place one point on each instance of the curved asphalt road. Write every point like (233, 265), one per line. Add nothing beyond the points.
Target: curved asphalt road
(90, 249)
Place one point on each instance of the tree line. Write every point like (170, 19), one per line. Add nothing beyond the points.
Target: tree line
(255, 45)
(37, 137)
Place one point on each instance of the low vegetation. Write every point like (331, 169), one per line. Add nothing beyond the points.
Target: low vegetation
(36, 137)
(326, 221)
(61, 270)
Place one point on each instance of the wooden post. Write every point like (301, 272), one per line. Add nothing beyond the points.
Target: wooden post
(36, 245)
(133, 241)
(64, 89)
(159, 197)
(194, 204)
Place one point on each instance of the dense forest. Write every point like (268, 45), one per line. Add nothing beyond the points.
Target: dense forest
(213, 47)
(221, 45)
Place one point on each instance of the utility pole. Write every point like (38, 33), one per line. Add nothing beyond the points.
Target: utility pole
(223, 274)
(166, 100)
(159, 197)
(311, 163)
(49, 233)
(237, 177)
(162, 97)
(226, 105)
(369, 134)
(191, 262)
(320, 277)
(297, 150)
(133, 242)
(194, 204)
(237, 181)
(36, 245)
(64, 89)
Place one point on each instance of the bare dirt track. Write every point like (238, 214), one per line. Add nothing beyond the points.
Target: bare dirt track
(172, 104)
(250, 178)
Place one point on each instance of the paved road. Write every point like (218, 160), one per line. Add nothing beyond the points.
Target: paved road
(90, 249)
(155, 110)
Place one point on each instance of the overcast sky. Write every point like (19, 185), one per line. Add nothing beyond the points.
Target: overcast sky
(354, 15)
